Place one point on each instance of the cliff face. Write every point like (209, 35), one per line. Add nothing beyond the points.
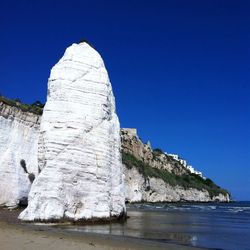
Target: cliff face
(144, 169)
(138, 189)
(157, 159)
(18, 153)
(154, 176)
(79, 146)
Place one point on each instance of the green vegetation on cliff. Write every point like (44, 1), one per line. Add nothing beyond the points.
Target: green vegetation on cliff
(35, 108)
(186, 180)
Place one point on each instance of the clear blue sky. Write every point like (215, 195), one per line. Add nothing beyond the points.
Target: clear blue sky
(179, 69)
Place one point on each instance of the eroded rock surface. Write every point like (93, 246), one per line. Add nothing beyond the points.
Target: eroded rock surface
(138, 189)
(153, 176)
(19, 132)
(132, 144)
(81, 174)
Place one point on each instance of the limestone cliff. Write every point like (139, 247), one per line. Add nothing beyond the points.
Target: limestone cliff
(145, 179)
(81, 174)
(74, 154)
(154, 176)
(144, 168)
(18, 153)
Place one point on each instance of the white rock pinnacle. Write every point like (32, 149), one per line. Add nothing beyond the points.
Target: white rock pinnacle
(79, 146)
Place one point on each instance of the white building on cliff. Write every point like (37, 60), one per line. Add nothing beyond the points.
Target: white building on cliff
(184, 163)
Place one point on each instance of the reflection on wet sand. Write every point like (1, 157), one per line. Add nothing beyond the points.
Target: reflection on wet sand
(162, 227)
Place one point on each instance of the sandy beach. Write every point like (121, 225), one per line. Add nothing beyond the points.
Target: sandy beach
(15, 235)
(13, 238)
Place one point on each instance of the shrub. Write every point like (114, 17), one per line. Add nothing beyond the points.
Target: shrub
(158, 151)
(186, 180)
(17, 100)
(35, 109)
(86, 41)
(38, 104)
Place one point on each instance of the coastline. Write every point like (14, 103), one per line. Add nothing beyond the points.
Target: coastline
(158, 226)
(12, 237)
(17, 235)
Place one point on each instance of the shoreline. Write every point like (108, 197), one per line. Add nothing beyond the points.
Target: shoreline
(18, 235)
(182, 202)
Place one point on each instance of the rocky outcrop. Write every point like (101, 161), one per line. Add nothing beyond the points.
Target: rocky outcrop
(151, 189)
(153, 176)
(18, 154)
(19, 132)
(77, 164)
(132, 144)
(81, 174)
(18, 163)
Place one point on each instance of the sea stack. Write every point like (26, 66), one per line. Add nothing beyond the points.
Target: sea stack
(79, 155)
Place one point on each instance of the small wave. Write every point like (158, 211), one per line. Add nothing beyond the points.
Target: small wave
(158, 207)
(236, 210)
(213, 207)
(192, 207)
(245, 208)
(45, 224)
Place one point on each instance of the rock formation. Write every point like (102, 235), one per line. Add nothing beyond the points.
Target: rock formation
(18, 154)
(18, 160)
(77, 162)
(81, 175)
(151, 189)
(153, 176)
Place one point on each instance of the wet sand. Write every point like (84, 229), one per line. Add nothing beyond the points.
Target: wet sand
(15, 235)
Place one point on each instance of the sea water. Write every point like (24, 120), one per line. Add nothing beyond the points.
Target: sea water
(214, 226)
